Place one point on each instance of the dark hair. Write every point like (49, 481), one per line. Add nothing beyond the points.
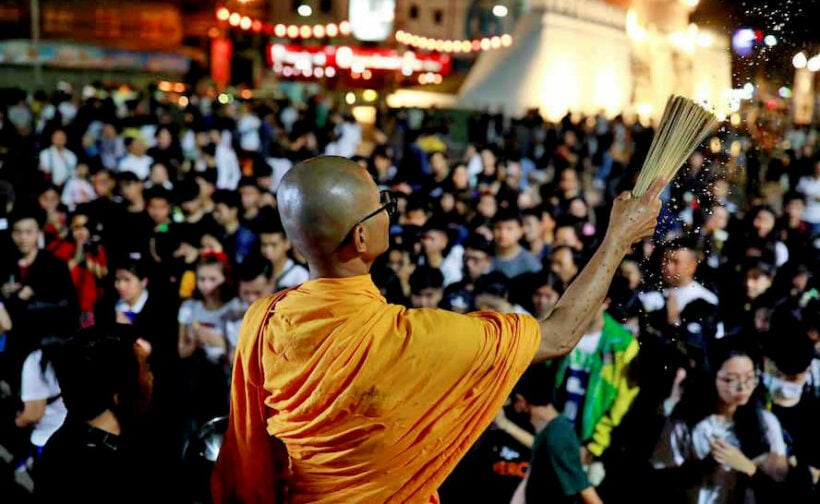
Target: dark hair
(623, 303)
(507, 215)
(187, 191)
(788, 346)
(135, 266)
(698, 329)
(547, 278)
(98, 169)
(565, 221)
(537, 385)
(44, 188)
(682, 243)
(250, 270)
(576, 257)
(231, 199)
(792, 196)
(382, 151)
(158, 192)
(810, 316)
(248, 182)
(531, 212)
(478, 242)
(759, 267)
(210, 175)
(271, 225)
(426, 277)
(262, 170)
(417, 203)
(127, 176)
(493, 283)
(28, 210)
(94, 365)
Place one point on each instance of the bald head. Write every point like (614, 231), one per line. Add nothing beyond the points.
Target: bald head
(320, 201)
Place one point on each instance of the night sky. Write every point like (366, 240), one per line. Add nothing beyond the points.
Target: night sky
(794, 22)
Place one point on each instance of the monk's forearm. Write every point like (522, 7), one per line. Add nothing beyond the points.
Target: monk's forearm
(565, 325)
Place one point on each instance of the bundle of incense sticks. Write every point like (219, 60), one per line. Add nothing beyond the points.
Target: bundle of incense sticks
(684, 125)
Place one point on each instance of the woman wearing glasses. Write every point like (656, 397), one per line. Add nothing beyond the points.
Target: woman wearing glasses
(721, 445)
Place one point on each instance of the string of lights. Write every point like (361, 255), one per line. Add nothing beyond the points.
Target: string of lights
(454, 46)
(332, 30)
(281, 30)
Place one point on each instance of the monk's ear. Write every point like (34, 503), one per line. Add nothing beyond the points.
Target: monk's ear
(360, 238)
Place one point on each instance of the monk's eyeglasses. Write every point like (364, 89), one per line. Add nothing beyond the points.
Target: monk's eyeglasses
(388, 203)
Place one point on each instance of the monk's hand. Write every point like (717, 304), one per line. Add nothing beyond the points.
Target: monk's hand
(634, 218)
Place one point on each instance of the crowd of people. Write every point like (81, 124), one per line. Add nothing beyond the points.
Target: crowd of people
(699, 379)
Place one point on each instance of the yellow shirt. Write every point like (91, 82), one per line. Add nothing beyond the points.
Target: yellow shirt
(375, 402)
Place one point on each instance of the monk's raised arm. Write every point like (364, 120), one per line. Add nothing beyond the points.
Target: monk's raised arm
(631, 220)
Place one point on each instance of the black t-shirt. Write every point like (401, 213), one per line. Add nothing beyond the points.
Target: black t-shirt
(52, 310)
(192, 232)
(263, 218)
(800, 429)
(490, 472)
(136, 229)
(84, 464)
(110, 214)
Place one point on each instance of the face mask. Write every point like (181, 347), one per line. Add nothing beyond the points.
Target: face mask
(782, 388)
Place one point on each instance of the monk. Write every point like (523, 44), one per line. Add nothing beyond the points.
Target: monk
(340, 397)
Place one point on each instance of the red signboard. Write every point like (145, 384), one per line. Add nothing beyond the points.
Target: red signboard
(221, 52)
(357, 59)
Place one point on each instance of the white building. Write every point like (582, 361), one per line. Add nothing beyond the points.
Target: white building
(589, 56)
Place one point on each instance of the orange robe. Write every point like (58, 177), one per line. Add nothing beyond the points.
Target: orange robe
(374, 402)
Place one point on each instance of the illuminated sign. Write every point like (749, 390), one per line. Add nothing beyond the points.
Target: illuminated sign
(355, 59)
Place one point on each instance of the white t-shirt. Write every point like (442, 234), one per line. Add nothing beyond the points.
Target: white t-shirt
(350, 136)
(292, 275)
(280, 167)
(678, 444)
(810, 188)
(141, 166)
(77, 191)
(193, 310)
(654, 300)
(60, 164)
(36, 386)
(684, 295)
(452, 265)
(248, 126)
(228, 172)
